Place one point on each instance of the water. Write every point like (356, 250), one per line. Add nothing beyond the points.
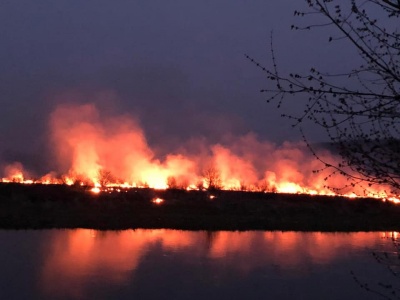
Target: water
(170, 264)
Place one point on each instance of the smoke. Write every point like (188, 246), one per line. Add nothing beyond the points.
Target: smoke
(94, 147)
(87, 142)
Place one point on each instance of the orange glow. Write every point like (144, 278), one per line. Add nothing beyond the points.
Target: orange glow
(158, 200)
(14, 173)
(96, 190)
(112, 153)
(73, 254)
(290, 187)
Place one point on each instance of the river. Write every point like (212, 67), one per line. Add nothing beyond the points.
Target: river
(173, 264)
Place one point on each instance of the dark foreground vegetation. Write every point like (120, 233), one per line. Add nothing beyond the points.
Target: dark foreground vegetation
(61, 206)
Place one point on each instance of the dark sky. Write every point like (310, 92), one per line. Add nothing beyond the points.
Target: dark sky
(178, 66)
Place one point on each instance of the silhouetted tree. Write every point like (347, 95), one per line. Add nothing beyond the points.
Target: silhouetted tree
(200, 185)
(105, 177)
(180, 183)
(360, 107)
(213, 179)
(171, 182)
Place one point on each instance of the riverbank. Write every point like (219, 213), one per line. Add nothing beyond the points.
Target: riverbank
(62, 206)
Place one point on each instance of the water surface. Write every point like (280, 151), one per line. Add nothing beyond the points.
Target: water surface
(172, 264)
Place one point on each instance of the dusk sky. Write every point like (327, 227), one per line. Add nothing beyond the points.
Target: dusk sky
(176, 66)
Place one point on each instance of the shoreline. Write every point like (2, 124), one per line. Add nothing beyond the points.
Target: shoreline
(37, 206)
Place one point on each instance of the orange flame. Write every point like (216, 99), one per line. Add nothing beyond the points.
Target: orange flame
(112, 152)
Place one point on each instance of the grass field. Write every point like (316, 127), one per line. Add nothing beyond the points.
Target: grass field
(62, 206)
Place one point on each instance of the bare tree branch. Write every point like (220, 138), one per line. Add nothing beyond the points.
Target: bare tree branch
(360, 107)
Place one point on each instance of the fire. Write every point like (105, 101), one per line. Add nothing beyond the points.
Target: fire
(158, 201)
(290, 187)
(14, 173)
(112, 153)
(96, 190)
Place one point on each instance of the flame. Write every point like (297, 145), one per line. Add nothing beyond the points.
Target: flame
(289, 187)
(158, 201)
(14, 173)
(96, 190)
(112, 153)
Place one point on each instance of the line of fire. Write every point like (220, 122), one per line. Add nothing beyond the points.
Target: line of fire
(111, 154)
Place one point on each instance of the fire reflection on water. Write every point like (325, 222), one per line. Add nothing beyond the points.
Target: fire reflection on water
(80, 253)
(74, 257)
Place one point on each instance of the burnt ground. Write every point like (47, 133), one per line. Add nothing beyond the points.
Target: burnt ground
(61, 206)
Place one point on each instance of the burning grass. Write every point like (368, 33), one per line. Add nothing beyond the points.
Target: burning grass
(61, 206)
(112, 152)
(107, 176)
